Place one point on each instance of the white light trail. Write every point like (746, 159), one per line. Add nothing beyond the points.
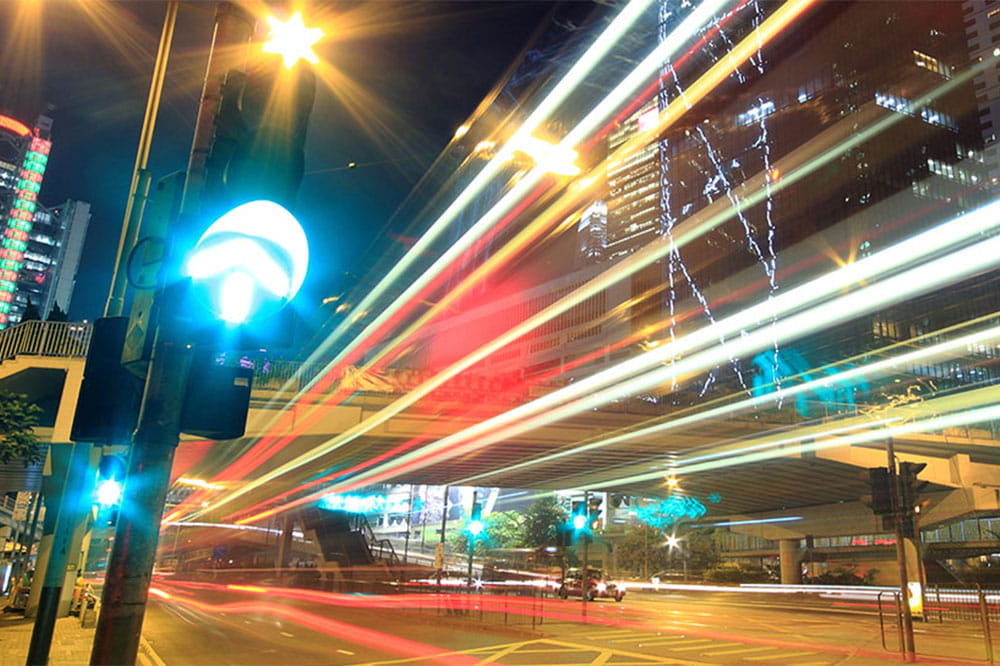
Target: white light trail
(928, 354)
(685, 31)
(590, 393)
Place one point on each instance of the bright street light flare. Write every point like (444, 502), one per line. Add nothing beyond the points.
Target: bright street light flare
(292, 40)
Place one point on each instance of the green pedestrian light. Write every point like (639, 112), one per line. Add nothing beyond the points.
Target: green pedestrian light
(476, 525)
(250, 262)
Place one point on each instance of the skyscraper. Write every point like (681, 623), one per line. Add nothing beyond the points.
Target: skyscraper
(51, 259)
(24, 154)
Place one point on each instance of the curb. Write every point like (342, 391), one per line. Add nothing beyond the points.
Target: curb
(147, 655)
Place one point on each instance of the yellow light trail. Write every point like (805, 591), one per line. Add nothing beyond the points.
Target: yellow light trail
(929, 275)
(929, 354)
(974, 406)
(684, 31)
(573, 78)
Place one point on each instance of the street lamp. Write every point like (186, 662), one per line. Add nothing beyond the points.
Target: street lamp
(292, 40)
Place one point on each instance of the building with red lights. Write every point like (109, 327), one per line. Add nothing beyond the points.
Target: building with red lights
(24, 155)
(41, 246)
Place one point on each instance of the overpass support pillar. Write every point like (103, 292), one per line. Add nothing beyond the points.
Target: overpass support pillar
(284, 556)
(788, 552)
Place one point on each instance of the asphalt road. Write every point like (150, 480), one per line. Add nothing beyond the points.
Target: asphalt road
(250, 625)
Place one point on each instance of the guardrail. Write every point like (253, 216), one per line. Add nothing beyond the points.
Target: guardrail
(46, 338)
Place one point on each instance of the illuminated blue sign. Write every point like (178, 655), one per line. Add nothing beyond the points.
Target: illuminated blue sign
(787, 367)
(669, 511)
(363, 503)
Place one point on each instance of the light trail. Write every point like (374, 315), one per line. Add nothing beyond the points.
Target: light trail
(351, 633)
(574, 77)
(925, 355)
(988, 396)
(685, 31)
(284, 422)
(767, 30)
(834, 148)
(932, 274)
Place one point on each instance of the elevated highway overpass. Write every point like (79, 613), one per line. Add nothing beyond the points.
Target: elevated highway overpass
(806, 471)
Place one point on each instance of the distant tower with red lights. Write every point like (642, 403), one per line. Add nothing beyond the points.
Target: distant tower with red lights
(24, 154)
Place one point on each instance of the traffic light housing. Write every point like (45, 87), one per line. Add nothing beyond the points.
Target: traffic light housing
(217, 399)
(910, 486)
(107, 408)
(594, 520)
(880, 482)
(110, 480)
(258, 150)
(578, 516)
(476, 526)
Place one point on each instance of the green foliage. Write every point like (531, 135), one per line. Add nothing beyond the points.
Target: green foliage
(18, 418)
(504, 529)
(735, 573)
(642, 549)
(541, 521)
(700, 549)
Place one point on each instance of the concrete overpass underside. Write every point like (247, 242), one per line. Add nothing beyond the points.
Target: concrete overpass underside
(820, 485)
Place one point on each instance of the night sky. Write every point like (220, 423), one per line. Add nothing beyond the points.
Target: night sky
(419, 70)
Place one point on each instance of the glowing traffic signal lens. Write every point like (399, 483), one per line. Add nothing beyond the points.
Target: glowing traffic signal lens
(579, 521)
(250, 262)
(476, 527)
(109, 492)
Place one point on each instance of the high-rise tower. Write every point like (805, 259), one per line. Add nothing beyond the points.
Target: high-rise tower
(24, 154)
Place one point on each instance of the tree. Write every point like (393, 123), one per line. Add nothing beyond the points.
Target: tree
(642, 550)
(31, 312)
(18, 418)
(503, 529)
(57, 314)
(701, 549)
(541, 522)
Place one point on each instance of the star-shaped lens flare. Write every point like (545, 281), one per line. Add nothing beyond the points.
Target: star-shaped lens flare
(292, 40)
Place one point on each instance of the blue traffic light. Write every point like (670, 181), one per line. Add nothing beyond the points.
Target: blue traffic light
(250, 262)
(579, 518)
(476, 525)
(108, 492)
(110, 481)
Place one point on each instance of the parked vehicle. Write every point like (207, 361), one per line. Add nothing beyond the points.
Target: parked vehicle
(599, 586)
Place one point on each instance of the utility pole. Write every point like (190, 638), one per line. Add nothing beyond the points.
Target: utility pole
(74, 489)
(472, 537)
(439, 554)
(585, 569)
(909, 649)
(409, 527)
(129, 570)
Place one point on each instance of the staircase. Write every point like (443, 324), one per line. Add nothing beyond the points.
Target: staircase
(347, 539)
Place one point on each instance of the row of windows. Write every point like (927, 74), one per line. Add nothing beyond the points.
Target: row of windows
(969, 529)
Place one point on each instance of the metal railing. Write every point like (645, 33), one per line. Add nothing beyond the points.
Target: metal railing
(46, 338)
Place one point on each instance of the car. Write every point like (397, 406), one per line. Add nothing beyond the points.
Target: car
(599, 585)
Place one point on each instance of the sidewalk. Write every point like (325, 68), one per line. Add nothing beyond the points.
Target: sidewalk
(71, 643)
